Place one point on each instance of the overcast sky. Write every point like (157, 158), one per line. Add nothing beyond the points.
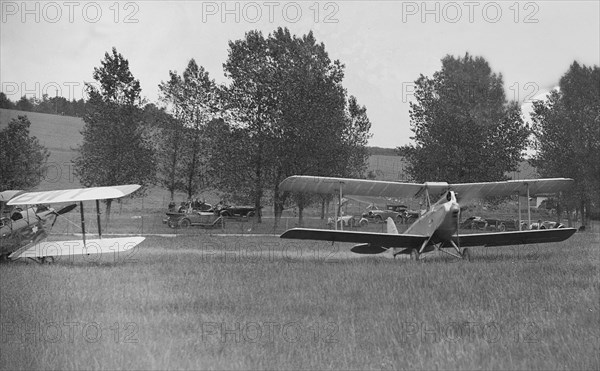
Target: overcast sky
(384, 45)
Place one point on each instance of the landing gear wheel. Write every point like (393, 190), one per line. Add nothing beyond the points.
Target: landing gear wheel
(46, 260)
(414, 255)
(466, 254)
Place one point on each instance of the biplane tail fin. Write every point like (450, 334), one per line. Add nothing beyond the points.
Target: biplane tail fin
(391, 226)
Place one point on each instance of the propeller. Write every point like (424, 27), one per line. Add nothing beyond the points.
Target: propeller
(66, 209)
(62, 211)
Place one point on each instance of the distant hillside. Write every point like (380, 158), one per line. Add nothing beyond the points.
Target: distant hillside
(382, 151)
(61, 135)
(393, 167)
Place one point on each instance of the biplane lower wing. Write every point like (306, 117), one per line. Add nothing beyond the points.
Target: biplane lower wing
(515, 237)
(376, 239)
(415, 241)
(68, 248)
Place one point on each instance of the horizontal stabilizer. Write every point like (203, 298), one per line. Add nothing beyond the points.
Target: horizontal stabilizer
(516, 237)
(77, 247)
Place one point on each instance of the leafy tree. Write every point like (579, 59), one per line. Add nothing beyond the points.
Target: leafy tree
(25, 104)
(167, 136)
(464, 128)
(5, 102)
(115, 148)
(251, 99)
(286, 96)
(567, 136)
(22, 157)
(193, 99)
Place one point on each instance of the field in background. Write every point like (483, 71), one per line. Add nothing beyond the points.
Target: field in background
(200, 302)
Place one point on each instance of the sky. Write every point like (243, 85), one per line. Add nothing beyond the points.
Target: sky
(53, 46)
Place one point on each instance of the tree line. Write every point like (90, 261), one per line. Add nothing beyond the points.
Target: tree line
(53, 105)
(284, 111)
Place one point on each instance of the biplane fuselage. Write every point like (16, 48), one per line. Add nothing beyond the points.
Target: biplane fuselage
(441, 222)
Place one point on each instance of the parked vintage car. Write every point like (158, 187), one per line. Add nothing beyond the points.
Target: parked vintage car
(399, 213)
(195, 218)
(348, 221)
(379, 216)
(491, 224)
(237, 211)
(546, 225)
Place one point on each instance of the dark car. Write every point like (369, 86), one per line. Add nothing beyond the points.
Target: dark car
(490, 224)
(237, 211)
(399, 213)
(391, 211)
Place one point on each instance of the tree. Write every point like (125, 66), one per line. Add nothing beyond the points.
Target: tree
(286, 96)
(464, 128)
(25, 104)
(115, 148)
(193, 100)
(167, 136)
(22, 157)
(251, 98)
(5, 102)
(567, 136)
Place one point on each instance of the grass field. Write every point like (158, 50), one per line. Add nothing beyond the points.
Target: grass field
(256, 302)
(236, 298)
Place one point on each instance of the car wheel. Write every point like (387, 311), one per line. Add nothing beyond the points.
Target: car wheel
(363, 222)
(184, 223)
(378, 219)
(250, 214)
(501, 227)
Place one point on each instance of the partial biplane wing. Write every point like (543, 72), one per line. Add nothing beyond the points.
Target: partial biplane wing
(72, 195)
(437, 228)
(41, 249)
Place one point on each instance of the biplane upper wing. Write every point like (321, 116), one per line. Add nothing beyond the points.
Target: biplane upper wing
(70, 195)
(378, 239)
(537, 187)
(357, 187)
(379, 188)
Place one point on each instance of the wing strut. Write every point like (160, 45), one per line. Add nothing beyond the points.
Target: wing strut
(519, 198)
(528, 208)
(82, 221)
(98, 218)
(340, 203)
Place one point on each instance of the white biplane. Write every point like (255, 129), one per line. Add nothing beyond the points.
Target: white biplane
(437, 228)
(34, 227)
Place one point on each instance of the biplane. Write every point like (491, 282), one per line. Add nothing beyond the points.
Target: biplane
(24, 233)
(437, 228)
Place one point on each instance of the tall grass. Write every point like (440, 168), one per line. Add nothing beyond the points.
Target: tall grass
(198, 302)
